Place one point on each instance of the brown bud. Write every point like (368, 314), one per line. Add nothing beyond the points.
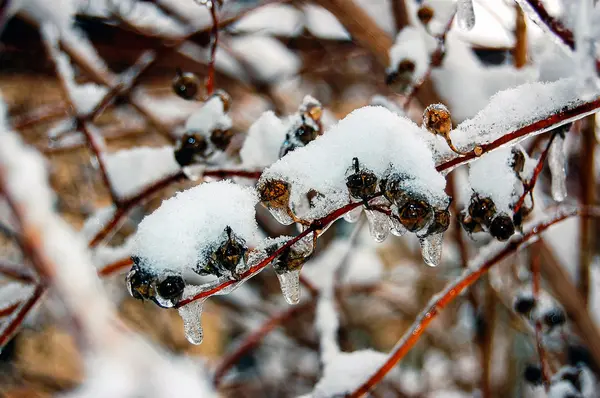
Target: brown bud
(425, 14)
(186, 85)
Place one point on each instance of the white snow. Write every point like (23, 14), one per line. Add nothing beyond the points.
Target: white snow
(211, 116)
(273, 19)
(322, 23)
(414, 45)
(380, 139)
(132, 170)
(183, 231)
(263, 141)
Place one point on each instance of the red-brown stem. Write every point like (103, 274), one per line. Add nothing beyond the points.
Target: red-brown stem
(128, 203)
(4, 312)
(434, 61)
(117, 266)
(538, 126)
(412, 335)
(536, 281)
(313, 228)
(536, 173)
(555, 25)
(11, 329)
(210, 79)
(254, 338)
(42, 114)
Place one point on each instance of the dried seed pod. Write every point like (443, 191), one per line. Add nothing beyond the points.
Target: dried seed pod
(361, 183)
(186, 85)
(440, 223)
(138, 281)
(402, 77)
(533, 374)
(482, 210)
(524, 304)
(415, 214)
(502, 227)
(517, 162)
(191, 148)
(221, 138)
(143, 285)
(425, 14)
(468, 224)
(225, 99)
(394, 189)
(229, 254)
(274, 194)
(437, 120)
(554, 317)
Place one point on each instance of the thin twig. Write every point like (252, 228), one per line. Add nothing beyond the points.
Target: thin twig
(15, 323)
(587, 185)
(16, 272)
(414, 332)
(210, 79)
(536, 282)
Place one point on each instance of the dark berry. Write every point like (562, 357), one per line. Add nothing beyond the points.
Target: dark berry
(533, 374)
(524, 304)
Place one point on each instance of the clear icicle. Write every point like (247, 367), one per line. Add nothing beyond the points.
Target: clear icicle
(353, 215)
(194, 172)
(431, 249)
(281, 215)
(191, 314)
(465, 15)
(556, 161)
(396, 228)
(290, 286)
(379, 225)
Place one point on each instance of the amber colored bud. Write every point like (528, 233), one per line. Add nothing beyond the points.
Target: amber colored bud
(425, 14)
(315, 112)
(437, 119)
(415, 214)
(274, 194)
(362, 183)
(482, 210)
(221, 138)
(186, 85)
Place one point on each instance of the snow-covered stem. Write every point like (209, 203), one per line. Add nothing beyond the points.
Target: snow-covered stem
(315, 226)
(23, 310)
(536, 173)
(537, 127)
(42, 114)
(587, 185)
(4, 312)
(210, 78)
(453, 290)
(536, 277)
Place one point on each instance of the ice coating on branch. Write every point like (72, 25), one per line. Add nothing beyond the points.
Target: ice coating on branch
(556, 162)
(131, 170)
(492, 177)
(379, 225)
(263, 142)
(512, 109)
(191, 315)
(409, 58)
(186, 228)
(465, 15)
(382, 141)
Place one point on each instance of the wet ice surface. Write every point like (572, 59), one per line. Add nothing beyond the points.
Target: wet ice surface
(290, 286)
(191, 315)
(431, 249)
(556, 162)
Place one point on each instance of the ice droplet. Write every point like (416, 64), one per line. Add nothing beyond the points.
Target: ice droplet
(556, 161)
(353, 215)
(191, 314)
(290, 286)
(396, 227)
(431, 249)
(194, 172)
(281, 215)
(465, 15)
(379, 225)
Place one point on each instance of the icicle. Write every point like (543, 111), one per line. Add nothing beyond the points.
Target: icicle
(556, 160)
(290, 286)
(396, 227)
(353, 215)
(431, 249)
(379, 225)
(465, 15)
(194, 172)
(191, 314)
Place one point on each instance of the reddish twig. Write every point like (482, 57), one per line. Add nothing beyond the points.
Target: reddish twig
(16, 273)
(536, 279)
(41, 114)
(4, 312)
(528, 187)
(314, 227)
(14, 324)
(253, 339)
(117, 266)
(537, 127)
(210, 79)
(412, 335)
